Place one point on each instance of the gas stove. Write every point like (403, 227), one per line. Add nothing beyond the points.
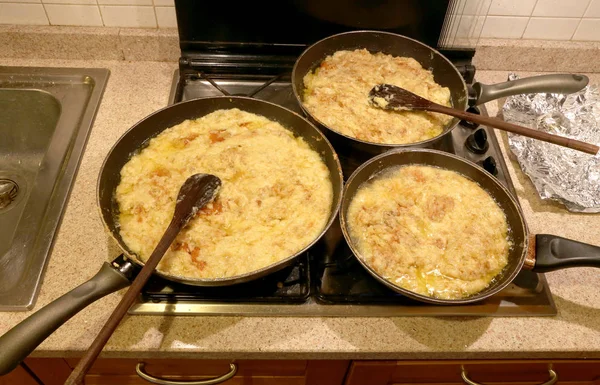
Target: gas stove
(328, 280)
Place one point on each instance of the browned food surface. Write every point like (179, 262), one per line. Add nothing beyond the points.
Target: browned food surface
(336, 94)
(429, 230)
(275, 199)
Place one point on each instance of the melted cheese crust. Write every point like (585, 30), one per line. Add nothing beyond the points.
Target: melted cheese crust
(275, 198)
(336, 94)
(429, 230)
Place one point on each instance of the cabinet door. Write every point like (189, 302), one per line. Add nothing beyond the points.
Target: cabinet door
(18, 376)
(51, 371)
(195, 368)
(249, 372)
(498, 372)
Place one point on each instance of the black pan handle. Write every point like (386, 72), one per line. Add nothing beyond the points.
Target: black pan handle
(557, 83)
(21, 340)
(554, 253)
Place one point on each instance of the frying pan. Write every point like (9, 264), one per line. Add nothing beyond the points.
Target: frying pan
(540, 253)
(18, 342)
(445, 73)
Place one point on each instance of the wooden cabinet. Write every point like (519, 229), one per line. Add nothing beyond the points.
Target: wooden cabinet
(36, 371)
(249, 372)
(18, 376)
(54, 371)
(580, 372)
(50, 371)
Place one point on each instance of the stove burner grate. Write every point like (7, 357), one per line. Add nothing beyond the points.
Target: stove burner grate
(208, 78)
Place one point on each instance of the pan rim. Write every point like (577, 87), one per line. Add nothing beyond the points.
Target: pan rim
(423, 143)
(224, 281)
(463, 301)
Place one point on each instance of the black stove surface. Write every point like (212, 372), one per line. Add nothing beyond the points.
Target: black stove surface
(290, 285)
(328, 280)
(339, 278)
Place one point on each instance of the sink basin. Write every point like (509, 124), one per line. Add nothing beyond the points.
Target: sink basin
(45, 118)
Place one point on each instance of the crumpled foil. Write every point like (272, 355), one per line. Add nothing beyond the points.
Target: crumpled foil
(559, 173)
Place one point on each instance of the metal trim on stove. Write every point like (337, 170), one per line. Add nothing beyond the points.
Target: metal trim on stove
(312, 308)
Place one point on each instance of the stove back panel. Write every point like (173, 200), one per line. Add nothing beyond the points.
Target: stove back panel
(288, 26)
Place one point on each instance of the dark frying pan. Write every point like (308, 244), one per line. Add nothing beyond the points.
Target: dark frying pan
(444, 72)
(21, 340)
(138, 136)
(540, 253)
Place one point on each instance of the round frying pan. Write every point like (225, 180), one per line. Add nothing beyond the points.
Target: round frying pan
(444, 72)
(540, 253)
(138, 136)
(18, 342)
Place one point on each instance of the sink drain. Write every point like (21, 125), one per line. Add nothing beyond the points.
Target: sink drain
(9, 190)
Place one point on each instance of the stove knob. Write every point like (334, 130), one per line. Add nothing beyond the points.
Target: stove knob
(477, 142)
(489, 165)
(471, 125)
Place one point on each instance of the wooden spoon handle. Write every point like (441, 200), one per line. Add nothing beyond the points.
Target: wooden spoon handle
(525, 131)
(78, 374)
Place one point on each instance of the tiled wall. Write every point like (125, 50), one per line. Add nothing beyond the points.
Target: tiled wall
(471, 19)
(109, 13)
(528, 19)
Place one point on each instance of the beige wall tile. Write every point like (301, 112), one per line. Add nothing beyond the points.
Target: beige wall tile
(588, 30)
(593, 9)
(125, 2)
(89, 2)
(511, 7)
(164, 3)
(165, 16)
(560, 8)
(72, 14)
(18, 13)
(504, 26)
(128, 16)
(473, 7)
(551, 28)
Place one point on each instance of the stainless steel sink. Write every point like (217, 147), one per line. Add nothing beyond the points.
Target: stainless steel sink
(45, 117)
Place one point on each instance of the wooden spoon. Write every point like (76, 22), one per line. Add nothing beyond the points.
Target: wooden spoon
(390, 97)
(195, 193)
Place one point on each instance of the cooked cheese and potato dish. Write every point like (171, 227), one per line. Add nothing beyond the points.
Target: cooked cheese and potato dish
(336, 93)
(429, 230)
(275, 198)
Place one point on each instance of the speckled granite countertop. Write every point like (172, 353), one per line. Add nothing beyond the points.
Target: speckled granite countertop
(82, 246)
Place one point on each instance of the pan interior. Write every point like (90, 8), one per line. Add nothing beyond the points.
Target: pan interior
(443, 70)
(517, 227)
(138, 136)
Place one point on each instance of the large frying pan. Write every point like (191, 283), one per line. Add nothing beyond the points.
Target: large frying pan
(18, 342)
(540, 253)
(137, 136)
(444, 72)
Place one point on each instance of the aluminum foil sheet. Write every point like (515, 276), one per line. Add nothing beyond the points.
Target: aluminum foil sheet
(559, 173)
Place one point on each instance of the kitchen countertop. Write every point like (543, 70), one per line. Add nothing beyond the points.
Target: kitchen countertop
(82, 246)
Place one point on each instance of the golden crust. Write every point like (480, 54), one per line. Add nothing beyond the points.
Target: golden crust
(429, 230)
(275, 199)
(336, 94)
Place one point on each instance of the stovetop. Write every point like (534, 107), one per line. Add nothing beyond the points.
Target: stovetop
(328, 280)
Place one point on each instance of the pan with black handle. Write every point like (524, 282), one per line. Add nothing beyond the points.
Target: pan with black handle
(356, 151)
(540, 252)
